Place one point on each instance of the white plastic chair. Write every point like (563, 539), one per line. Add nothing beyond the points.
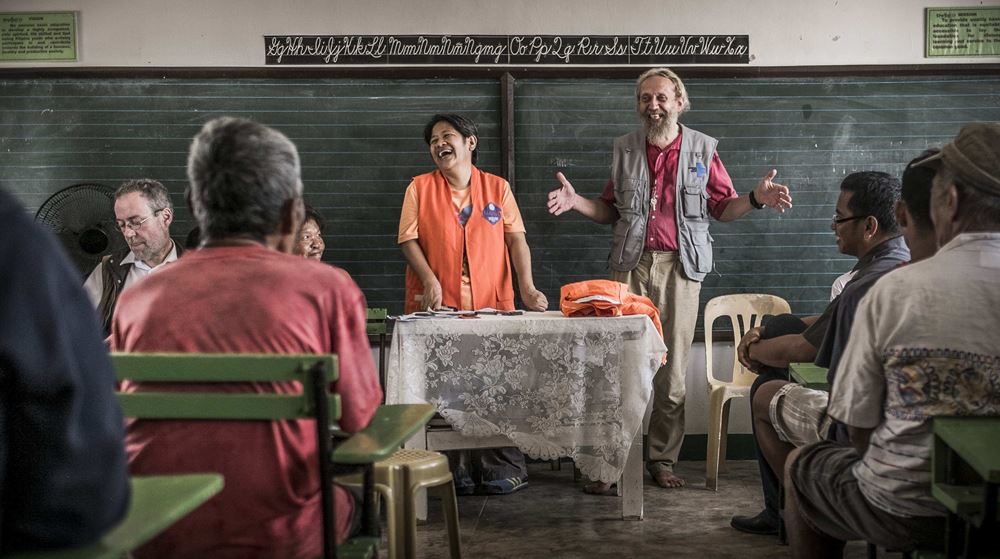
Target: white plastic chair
(744, 311)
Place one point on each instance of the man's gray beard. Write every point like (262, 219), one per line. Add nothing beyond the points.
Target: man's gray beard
(657, 130)
(144, 254)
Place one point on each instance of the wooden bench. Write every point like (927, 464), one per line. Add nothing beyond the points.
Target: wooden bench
(157, 503)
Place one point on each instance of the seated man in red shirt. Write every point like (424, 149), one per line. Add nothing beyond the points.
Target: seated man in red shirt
(244, 291)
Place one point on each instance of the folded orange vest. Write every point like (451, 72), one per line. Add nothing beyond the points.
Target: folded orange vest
(605, 298)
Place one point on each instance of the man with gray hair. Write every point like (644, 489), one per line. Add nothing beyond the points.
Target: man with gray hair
(666, 180)
(923, 344)
(244, 291)
(143, 214)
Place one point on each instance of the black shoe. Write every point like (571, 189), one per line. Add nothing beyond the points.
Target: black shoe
(762, 524)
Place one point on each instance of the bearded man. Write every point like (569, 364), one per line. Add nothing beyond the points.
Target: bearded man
(143, 214)
(667, 179)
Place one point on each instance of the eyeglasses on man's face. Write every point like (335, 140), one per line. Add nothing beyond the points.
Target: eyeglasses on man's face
(135, 223)
(837, 220)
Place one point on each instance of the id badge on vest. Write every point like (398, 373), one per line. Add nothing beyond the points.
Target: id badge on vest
(492, 213)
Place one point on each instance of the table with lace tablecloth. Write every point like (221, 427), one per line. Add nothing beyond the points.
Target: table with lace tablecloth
(554, 386)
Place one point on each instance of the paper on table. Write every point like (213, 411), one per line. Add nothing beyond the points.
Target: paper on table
(450, 313)
(433, 314)
(491, 310)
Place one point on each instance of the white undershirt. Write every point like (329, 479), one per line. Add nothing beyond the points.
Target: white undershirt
(94, 286)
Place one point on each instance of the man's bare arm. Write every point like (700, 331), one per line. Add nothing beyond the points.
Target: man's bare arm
(780, 351)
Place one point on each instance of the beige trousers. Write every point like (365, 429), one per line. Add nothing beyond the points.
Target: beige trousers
(660, 277)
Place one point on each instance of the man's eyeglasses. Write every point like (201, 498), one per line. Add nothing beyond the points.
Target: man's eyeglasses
(135, 224)
(838, 220)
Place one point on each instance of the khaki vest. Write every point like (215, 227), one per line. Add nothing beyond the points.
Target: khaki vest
(630, 173)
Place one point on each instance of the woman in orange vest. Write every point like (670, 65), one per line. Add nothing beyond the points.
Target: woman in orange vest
(459, 230)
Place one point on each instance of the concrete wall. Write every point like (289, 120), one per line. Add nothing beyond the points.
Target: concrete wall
(139, 33)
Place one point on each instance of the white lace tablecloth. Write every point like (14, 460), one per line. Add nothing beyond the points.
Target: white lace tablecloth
(555, 386)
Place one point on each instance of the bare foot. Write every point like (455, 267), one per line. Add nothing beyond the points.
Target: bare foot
(600, 488)
(667, 480)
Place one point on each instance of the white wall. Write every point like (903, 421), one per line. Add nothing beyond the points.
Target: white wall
(157, 33)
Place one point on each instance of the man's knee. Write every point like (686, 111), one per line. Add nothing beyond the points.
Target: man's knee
(789, 465)
(761, 404)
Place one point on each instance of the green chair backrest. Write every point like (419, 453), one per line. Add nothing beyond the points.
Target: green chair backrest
(376, 321)
(203, 370)
(313, 372)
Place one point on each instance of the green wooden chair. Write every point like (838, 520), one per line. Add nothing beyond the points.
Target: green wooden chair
(378, 326)
(389, 429)
(156, 503)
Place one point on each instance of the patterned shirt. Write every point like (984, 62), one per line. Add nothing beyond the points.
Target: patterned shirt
(923, 345)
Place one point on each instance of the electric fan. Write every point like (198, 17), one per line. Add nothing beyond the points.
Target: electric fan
(83, 217)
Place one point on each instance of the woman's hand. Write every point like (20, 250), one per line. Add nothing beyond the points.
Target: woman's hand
(432, 294)
(534, 300)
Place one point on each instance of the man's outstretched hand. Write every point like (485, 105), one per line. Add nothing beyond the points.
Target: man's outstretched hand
(769, 193)
(562, 199)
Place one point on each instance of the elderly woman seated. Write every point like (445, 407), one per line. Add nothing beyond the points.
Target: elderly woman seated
(310, 242)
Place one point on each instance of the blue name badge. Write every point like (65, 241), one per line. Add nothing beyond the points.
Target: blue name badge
(700, 169)
(492, 213)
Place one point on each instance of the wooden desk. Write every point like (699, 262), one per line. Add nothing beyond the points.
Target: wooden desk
(809, 375)
(552, 386)
(157, 503)
(967, 443)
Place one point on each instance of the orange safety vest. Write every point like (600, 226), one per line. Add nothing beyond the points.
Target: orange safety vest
(605, 298)
(444, 241)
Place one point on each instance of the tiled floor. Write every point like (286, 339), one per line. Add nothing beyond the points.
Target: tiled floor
(553, 518)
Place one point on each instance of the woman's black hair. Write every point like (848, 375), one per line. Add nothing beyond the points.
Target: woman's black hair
(313, 214)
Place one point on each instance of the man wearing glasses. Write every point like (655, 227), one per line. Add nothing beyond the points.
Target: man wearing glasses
(143, 214)
(865, 226)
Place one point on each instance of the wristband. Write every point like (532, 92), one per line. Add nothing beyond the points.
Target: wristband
(753, 202)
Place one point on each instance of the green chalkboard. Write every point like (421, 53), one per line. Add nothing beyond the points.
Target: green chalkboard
(360, 141)
(814, 131)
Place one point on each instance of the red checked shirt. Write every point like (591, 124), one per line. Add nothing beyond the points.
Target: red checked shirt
(661, 228)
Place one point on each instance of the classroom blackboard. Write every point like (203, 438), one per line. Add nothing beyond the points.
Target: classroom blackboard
(814, 131)
(360, 141)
